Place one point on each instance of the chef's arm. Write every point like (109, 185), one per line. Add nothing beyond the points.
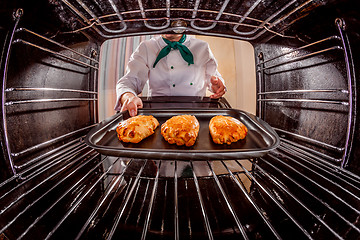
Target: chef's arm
(216, 85)
(132, 83)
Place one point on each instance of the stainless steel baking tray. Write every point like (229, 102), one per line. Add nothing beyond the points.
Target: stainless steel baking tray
(261, 138)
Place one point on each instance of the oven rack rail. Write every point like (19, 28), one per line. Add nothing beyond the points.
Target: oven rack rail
(86, 16)
(264, 186)
(307, 97)
(93, 63)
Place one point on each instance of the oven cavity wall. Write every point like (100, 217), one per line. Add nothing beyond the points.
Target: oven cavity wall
(306, 89)
(49, 88)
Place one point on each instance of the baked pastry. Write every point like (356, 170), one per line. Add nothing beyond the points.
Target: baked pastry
(181, 130)
(225, 129)
(136, 128)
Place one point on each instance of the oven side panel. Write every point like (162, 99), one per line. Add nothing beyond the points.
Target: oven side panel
(307, 91)
(49, 103)
(49, 90)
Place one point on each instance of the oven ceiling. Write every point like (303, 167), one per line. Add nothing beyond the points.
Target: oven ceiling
(247, 20)
(251, 20)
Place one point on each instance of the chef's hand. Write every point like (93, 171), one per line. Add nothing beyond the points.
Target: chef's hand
(131, 103)
(217, 87)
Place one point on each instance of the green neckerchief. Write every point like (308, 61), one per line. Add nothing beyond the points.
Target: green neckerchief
(184, 51)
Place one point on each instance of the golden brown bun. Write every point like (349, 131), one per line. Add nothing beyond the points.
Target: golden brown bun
(225, 129)
(136, 128)
(182, 130)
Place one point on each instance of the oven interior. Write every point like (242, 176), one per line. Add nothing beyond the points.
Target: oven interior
(53, 186)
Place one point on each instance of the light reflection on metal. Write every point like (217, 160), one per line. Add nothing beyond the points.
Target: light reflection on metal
(179, 26)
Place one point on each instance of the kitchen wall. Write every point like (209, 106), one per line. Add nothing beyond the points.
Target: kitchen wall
(236, 64)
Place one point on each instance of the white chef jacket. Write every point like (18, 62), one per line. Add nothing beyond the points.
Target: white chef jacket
(172, 76)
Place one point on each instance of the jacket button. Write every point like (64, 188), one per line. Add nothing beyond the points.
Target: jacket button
(172, 67)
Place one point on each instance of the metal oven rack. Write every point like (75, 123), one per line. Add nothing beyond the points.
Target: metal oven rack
(210, 200)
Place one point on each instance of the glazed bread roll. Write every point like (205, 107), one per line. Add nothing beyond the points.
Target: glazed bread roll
(225, 129)
(181, 130)
(136, 128)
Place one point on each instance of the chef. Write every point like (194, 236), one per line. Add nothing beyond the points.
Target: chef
(175, 65)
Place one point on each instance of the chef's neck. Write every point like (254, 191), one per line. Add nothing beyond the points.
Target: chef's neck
(172, 37)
